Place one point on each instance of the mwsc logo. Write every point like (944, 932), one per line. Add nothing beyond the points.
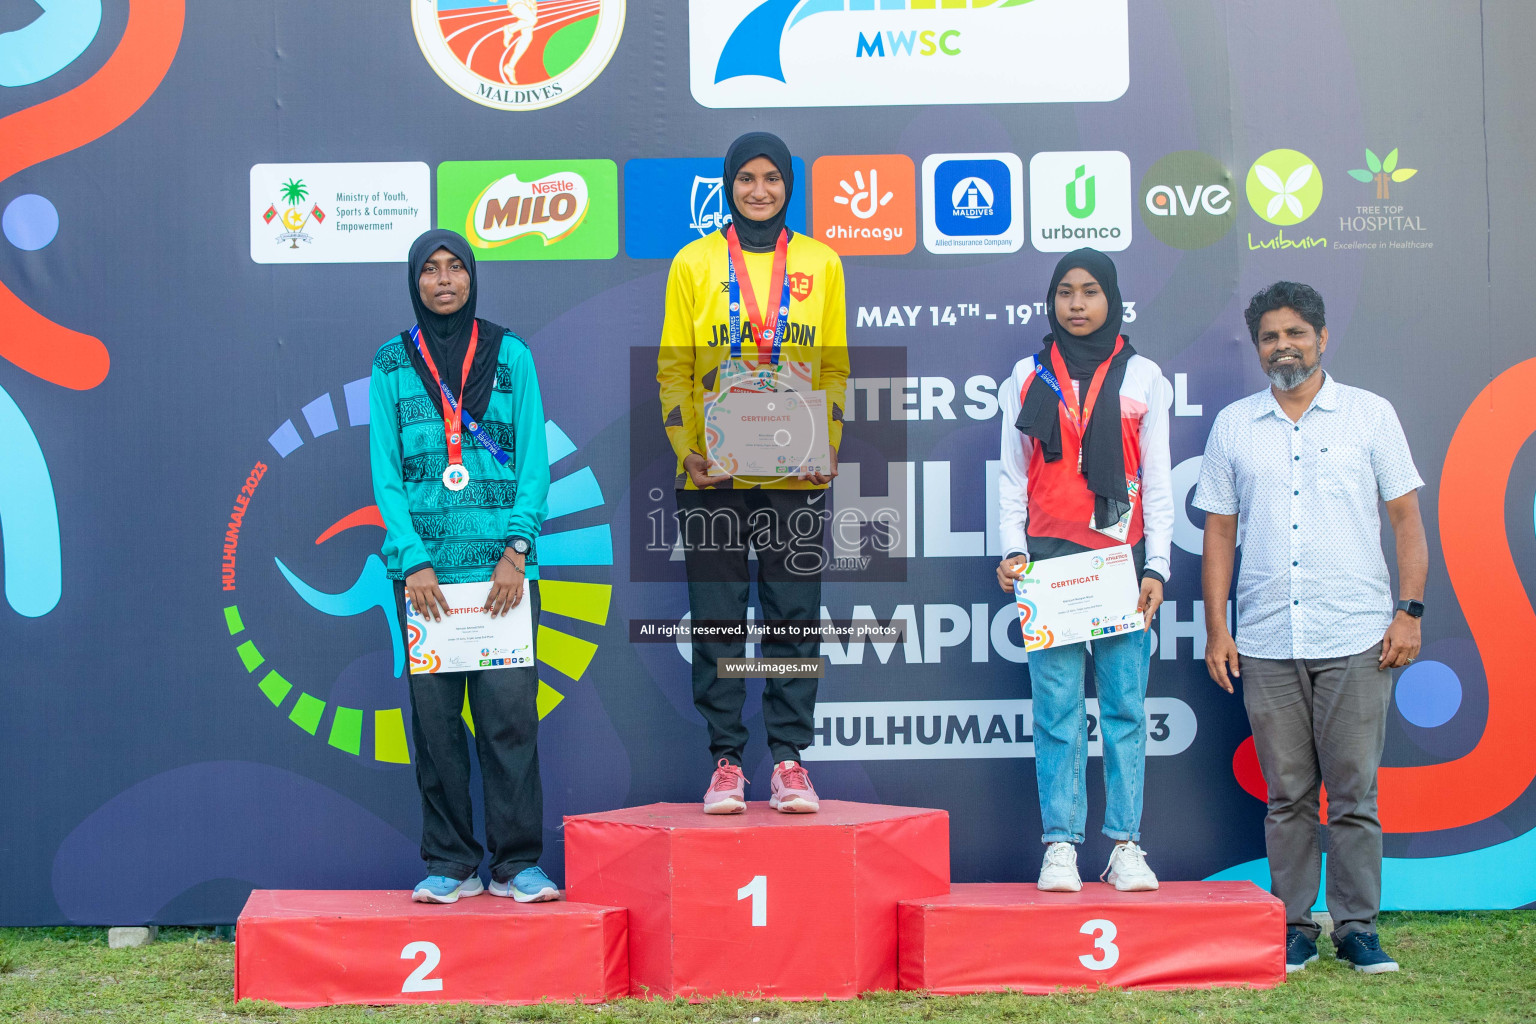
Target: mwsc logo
(817, 53)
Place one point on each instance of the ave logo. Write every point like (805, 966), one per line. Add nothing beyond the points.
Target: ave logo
(1186, 200)
(865, 205)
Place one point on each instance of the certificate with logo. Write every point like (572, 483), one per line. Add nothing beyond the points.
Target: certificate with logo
(766, 433)
(468, 639)
(1075, 598)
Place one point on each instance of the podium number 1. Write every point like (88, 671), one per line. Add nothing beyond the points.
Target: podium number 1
(417, 980)
(1109, 953)
(757, 889)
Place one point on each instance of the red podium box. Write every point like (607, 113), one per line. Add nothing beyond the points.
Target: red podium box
(794, 906)
(992, 938)
(318, 948)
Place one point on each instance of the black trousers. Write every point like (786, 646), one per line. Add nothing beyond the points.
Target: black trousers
(504, 706)
(785, 527)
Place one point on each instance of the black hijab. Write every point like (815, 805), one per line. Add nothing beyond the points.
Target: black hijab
(1040, 413)
(446, 336)
(758, 235)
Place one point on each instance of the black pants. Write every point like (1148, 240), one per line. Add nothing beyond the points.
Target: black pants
(785, 527)
(504, 706)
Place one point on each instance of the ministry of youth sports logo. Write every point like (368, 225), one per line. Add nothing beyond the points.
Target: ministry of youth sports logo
(518, 54)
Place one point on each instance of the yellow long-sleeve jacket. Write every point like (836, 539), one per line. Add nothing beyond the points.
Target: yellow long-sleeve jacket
(696, 336)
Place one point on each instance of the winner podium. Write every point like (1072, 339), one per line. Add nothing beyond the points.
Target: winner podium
(794, 906)
(666, 901)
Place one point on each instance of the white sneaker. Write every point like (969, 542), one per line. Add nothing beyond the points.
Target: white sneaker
(1059, 871)
(1127, 869)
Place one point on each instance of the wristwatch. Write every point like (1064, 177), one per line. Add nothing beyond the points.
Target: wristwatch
(520, 545)
(1414, 608)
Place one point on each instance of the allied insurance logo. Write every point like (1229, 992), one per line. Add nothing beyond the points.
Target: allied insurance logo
(532, 209)
(309, 608)
(676, 200)
(973, 202)
(857, 53)
(518, 54)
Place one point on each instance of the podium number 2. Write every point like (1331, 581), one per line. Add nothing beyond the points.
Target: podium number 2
(1108, 953)
(430, 955)
(757, 889)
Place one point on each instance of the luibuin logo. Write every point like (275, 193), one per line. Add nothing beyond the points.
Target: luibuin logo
(1383, 172)
(1081, 208)
(532, 209)
(1284, 187)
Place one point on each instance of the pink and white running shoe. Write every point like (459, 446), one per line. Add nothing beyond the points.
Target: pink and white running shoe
(791, 789)
(727, 792)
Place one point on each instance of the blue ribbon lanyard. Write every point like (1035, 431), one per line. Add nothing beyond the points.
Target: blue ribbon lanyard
(486, 440)
(772, 331)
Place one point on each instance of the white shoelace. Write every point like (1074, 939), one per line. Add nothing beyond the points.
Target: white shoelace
(1061, 855)
(1133, 860)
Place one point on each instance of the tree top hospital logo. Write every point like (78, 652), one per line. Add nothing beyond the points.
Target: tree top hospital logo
(518, 54)
(1284, 187)
(323, 641)
(859, 53)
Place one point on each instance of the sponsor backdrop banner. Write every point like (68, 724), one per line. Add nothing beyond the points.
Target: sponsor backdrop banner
(205, 210)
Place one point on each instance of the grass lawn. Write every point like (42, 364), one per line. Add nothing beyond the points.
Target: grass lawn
(1462, 966)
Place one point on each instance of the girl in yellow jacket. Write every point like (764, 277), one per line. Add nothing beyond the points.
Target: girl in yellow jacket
(726, 295)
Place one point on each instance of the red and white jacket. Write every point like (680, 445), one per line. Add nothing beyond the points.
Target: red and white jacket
(1041, 499)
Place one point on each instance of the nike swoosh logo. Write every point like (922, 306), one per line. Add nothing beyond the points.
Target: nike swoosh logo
(813, 499)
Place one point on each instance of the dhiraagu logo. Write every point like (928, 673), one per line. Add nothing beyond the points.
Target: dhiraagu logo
(308, 606)
(814, 53)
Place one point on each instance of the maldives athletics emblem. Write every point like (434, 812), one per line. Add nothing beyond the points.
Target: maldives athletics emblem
(518, 54)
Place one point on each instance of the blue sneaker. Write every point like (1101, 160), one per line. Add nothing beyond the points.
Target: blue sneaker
(531, 885)
(1299, 950)
(442, 889)
(1364, 953)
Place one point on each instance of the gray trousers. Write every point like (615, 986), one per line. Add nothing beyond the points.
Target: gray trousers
(1321, 720)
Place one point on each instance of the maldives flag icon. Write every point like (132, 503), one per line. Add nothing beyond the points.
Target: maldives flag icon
(318, 214)
(271, 212)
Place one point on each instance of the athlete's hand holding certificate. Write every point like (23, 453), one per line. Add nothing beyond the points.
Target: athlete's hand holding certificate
(1075, 598)
(469, 638)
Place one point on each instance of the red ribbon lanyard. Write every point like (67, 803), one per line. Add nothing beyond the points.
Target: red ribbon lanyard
(775, 284)
(1080, 423)
(453, 407)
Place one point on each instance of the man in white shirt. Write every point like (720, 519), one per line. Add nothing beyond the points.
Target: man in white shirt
(1297, 471)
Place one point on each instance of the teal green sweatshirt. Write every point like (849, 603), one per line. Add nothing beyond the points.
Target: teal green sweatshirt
(460, 534)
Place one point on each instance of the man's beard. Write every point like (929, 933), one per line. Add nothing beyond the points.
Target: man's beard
(1292, 375)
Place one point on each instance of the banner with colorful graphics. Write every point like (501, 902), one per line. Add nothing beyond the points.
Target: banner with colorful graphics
(205, 214)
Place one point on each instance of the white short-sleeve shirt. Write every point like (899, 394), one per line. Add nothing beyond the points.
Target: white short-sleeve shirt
(1313, 582)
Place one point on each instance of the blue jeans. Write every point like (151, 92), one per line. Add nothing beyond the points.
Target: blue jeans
(1061, 734)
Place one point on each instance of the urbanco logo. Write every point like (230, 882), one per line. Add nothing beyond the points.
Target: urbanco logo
(821, 53)
(865, 205)
(672, 201)
(518, 54)
(1078, 199)
(287, 631)
(973, 202)
(532, 209)
(1186, 200)
(1284, 187)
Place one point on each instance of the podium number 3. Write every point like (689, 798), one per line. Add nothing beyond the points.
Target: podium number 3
(757, 889)
(1108, 953)
(430, 955)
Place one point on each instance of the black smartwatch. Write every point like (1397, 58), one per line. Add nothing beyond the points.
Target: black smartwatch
(520, 545)
(1414, 608)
